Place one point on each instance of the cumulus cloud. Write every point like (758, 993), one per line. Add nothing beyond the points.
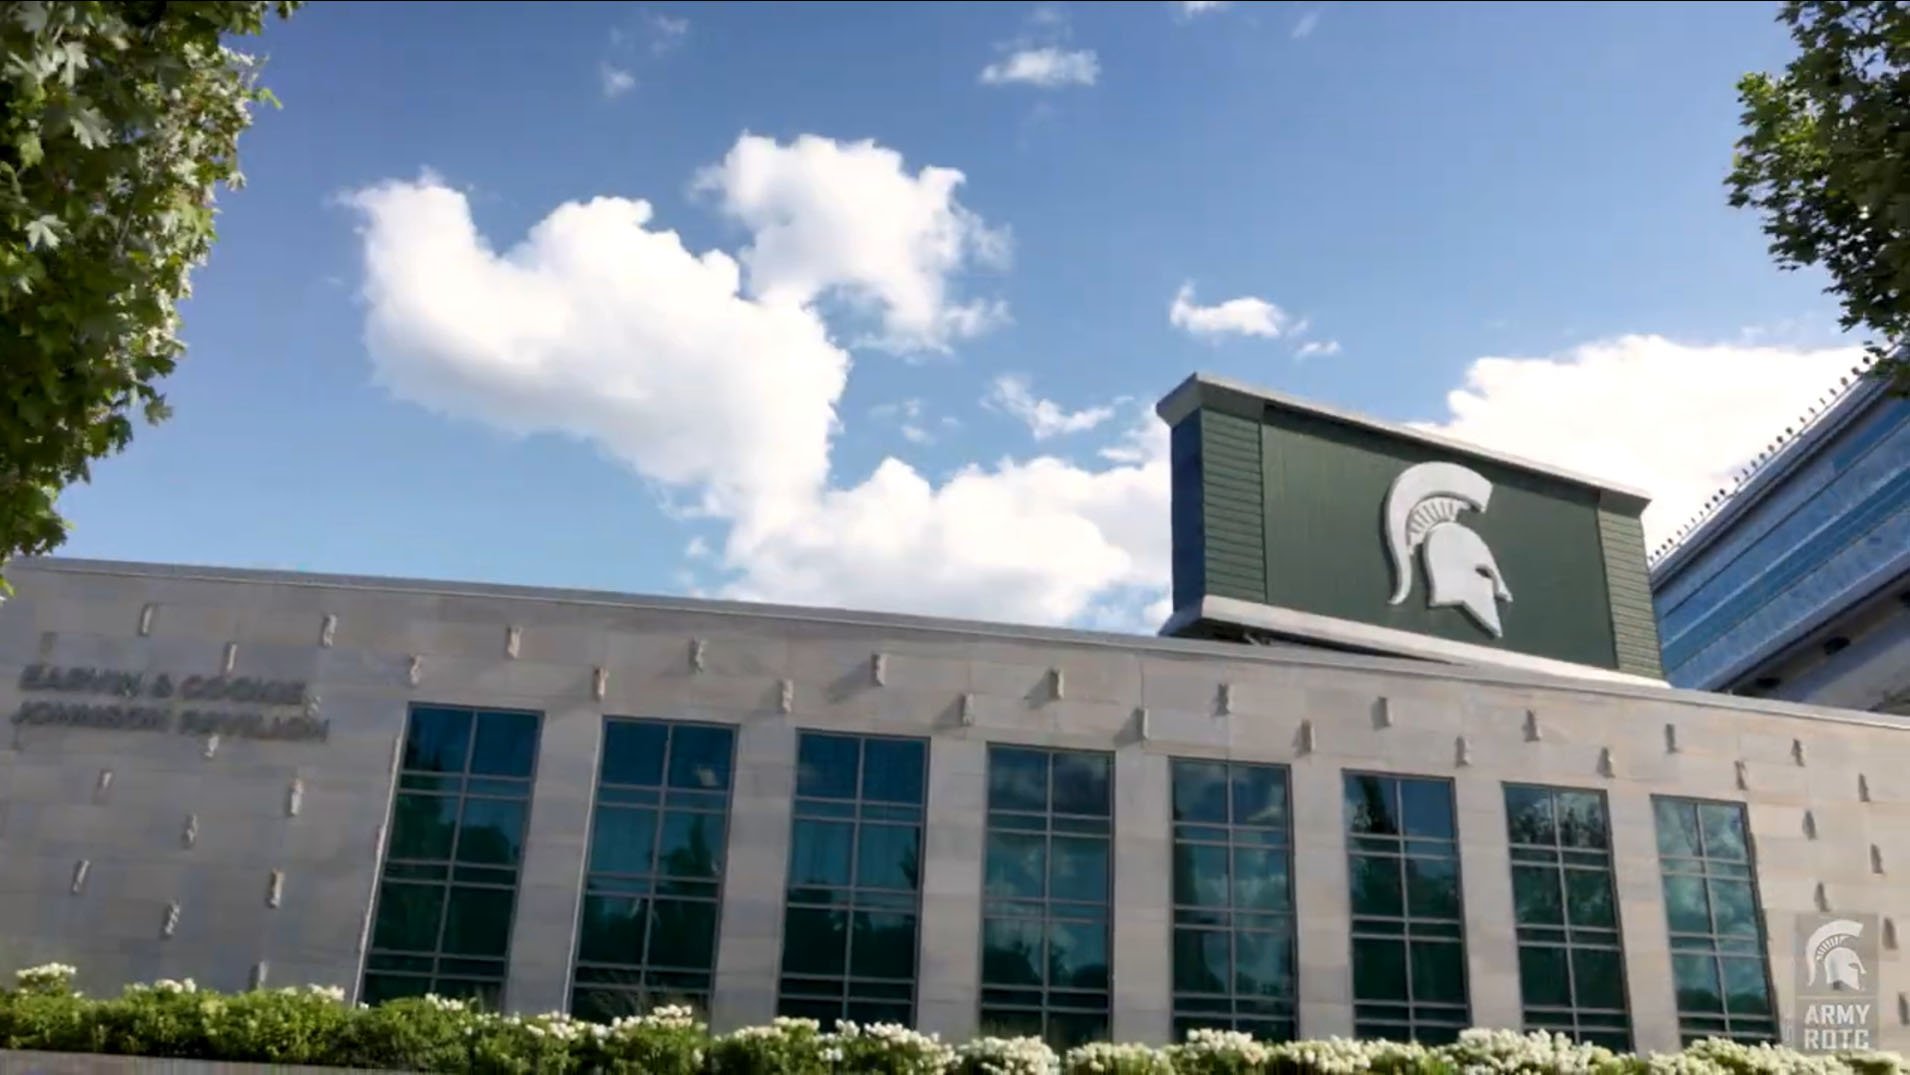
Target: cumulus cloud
(1244, 316)
(1012, 395)
(848, 219)
(1190, 8)
(601, 325)
(1677, 420)
(1318, 349)
(615, 81)
(1047, 67)
(1306, 25)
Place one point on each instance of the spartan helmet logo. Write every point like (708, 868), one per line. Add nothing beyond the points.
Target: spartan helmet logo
(1831, 955)
(1421, 510)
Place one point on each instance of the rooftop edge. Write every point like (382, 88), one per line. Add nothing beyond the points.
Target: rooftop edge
(1204, 388)
(1307, 656)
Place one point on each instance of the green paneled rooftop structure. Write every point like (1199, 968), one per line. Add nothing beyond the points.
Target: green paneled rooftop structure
(1299, 522)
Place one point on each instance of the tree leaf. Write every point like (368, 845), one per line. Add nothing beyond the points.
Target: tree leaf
(43, 233)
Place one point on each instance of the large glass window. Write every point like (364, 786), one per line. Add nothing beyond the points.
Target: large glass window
(1716, 926)
(1409, 949)
(855, 879)
(1045, 942)
(1233, 899)
(1571, 966)
(452, 858)
(647, 935)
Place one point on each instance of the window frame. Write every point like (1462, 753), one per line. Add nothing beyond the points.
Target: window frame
(1750, 877)
(853, 888)
(1559, 870)
(1047, 1009)
(449, 883)
(1283, 1010)
(1412, 1022)
(641, 970)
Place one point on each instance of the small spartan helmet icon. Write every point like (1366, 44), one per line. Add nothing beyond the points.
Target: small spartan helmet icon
(1832, 958)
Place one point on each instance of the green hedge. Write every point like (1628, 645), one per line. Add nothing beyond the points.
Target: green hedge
(314, 1026)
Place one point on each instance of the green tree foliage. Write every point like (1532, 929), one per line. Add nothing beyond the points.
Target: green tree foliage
(1825, 158)
(117, 123)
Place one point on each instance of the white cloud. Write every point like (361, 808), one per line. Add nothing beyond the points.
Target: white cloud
(667, 32)
(848, 219)
(1318, 349)
(1190, 8)
(599, 325)
(1048, 67)
(1010, 393)
(909, 416)
(1676, 420)
(1245, 316)
(615, 81)
(1039, 540)
(1306, 25)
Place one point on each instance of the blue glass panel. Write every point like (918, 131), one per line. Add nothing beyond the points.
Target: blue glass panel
(623, 840)
(819, 853)
(438, 739)
(826, 766)
(1260, 796)
(1372, 805)
(1200, 791)
(700, 757)
(1081, 784)
(888, 856)
(633, 752)
(1017, 779)
(893, 770)
(1427, 806)
(506, 744)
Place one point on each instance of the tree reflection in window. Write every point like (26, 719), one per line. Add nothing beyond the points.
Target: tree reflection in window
(647, 934)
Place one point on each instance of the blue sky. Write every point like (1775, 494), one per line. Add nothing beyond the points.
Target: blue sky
(908, 280)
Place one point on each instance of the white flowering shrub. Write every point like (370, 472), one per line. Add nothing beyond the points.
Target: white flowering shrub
(313, 1025)
(1536, 1052)
(1219, 1052)
(1102, 1058)
(53, 978)
(522, 1044)
(784, 1047)
(1006, 1056)
(668, 1041)
(885, 1049)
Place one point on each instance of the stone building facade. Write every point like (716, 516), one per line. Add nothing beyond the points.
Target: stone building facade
(556, 799)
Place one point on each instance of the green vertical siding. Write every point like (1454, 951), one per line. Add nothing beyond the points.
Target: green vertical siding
(1231, 513)
(1634, 623)
(1326, 489)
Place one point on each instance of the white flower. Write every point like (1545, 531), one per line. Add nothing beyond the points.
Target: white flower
(333, 993)
(45, 976)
